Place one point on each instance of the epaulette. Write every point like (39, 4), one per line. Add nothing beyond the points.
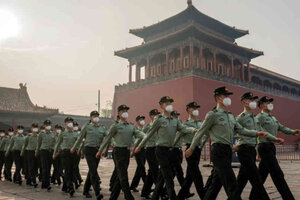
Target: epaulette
(215, 109)
(159, 116)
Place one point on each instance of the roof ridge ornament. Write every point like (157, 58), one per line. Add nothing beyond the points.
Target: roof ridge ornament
(189, 2)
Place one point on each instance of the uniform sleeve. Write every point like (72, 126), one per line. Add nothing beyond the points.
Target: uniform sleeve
(25, 144)
(207, 124)
(107, 139)
(179, 135)
(138, 134)
(39, 143)
(2, 143)
(11, 144)
(285, 129)
(238, 128)
(58, 143)
(137, 143)
(204, 140)
(79, 139)
(154, 128)
(184, 129)
(146, 128)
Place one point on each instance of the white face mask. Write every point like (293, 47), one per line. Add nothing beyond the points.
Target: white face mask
(2, 134)
(70, 125)
(142, 122)
(125, 115)
(252, 105)
(35, 130)
(11, 133)
(169, 108)
(75, 128)
(20, 131)
(226, 101)
(48, 128)
(96, 119)
(195, 113)
(58, 131)
(270, 106)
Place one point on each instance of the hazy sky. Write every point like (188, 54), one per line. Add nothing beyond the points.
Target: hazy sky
(65, 48)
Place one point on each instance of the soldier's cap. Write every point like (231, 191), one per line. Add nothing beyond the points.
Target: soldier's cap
(123, 107)
(69, 119)
(248, 95)
(192, 105)
(222, 91)
(264, 99)
(94, 113)
(10, 129)
(35, 125)
(175, 113)
(58, 126)
(47, 122)
(154, 112)
(166, 99)
(75, 123)
(139, 117)
(20, 127)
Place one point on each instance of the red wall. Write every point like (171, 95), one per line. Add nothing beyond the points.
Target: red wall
(185, 90)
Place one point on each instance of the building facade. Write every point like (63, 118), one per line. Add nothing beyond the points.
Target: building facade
(190, 54)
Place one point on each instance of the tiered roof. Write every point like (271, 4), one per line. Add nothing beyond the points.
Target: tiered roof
(17, 100)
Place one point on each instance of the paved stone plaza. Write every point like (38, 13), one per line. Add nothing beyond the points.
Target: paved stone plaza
(12, 191)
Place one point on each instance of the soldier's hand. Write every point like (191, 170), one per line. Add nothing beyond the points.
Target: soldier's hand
(297, 132)
(138, 149)
(72, 150)
(6, 154)
(235, 148)
(196, 130)
(131, 154)
(104, 154)
(21, 154)
(78, 153)
(36, 154)
(98, 154)
(189, 152)
(82, 156)
(279, 140)
(262, 134)
(54, 156)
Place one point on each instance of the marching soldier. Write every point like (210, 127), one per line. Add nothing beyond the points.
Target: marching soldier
(151, 158)
(114, 175)
(122, 133)
(65, 142)
(221, 125)
(2, 152)
(267, 149)
(15, 147)
(77, 177)
(246, 148)
(93, 134)
(30, 159)
(193, 173)
(140, 158)
(8, 157)
(177, 153)
(44, 150)
(57, 168)
(165, 127)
